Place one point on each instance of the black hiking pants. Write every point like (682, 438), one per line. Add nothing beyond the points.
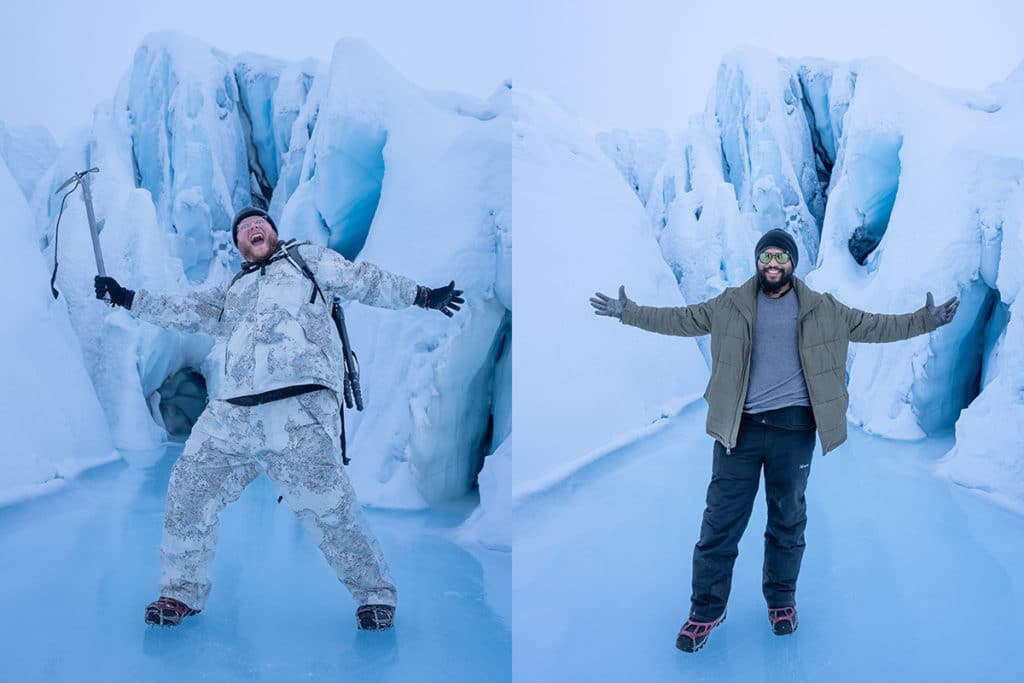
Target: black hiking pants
(785, 455)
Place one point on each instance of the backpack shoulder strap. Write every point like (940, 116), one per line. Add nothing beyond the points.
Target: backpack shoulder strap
(295, 257)
(238, 276)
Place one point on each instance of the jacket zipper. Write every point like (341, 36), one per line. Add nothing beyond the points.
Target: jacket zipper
(803, 363)
(739, 406)
(743, 391)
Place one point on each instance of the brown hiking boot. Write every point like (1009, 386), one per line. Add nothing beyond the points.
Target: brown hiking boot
(167, 612)
(694, 634)
(375, 617)
(783, 620)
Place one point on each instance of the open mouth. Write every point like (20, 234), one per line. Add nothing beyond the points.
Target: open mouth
(256, 238)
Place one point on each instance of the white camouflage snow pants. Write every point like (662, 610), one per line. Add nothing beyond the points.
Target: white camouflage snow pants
(296, 442)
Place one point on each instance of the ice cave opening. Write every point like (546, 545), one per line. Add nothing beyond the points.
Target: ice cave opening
(500, 415)
(873, 173)
(182, 397)
(963, 362)
(350, 173)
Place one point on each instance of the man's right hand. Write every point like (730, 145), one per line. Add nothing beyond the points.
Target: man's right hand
(605, 305)
(119, 296)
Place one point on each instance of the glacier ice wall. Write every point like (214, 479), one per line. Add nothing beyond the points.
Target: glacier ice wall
(189, 148)
(989, 451)
(52, 422)
(638, 156)
(586, 380)
(436, 388)
(194, 134)
(893, 187)
(28, 152)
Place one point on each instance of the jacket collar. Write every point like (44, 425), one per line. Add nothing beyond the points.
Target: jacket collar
(279, 253)
(809, 299)
(745, 298)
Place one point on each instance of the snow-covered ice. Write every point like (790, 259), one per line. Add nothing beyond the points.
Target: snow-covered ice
(52, 421)
(585, 381)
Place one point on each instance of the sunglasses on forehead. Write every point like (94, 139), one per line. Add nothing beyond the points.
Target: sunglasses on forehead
(782, 258)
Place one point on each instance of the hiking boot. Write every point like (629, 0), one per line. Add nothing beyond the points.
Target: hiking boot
(167, 612)
(783, 620)
(694, 634)
(375, 617)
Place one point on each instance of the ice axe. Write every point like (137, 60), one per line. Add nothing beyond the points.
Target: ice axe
(80, 178)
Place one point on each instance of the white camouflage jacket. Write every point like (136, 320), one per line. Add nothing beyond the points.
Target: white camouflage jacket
(269, 333)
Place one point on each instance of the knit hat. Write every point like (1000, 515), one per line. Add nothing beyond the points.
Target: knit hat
(246, 213)
(780, 239)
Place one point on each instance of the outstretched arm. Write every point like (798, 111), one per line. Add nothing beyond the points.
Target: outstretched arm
(882, 327)
(372, 285)
(682, 321)
(195, 311)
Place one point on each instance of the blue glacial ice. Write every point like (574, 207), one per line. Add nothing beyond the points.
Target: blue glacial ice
(347, 154)
(81, 565)
(906, 576)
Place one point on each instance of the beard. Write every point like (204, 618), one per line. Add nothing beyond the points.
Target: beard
(769, 287)
(260, 252)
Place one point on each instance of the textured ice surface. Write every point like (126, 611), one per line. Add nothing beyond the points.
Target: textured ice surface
(81, 566)
(905, 577)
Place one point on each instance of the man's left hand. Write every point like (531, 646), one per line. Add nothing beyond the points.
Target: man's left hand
(446, 299)
(943, 313)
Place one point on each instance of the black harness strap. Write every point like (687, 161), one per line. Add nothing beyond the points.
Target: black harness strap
(274, 395)
(296, 258)
(253, 266)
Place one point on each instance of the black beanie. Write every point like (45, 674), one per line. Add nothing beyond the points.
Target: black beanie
(777, 238)
(245, 213)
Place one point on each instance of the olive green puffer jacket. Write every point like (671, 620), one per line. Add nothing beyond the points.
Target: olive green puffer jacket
(826, 328)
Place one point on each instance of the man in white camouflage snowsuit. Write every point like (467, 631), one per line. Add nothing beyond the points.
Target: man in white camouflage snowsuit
(276, 409)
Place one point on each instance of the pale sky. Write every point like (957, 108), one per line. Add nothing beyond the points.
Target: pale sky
(61, 57)
(651, 63)
(634, 64)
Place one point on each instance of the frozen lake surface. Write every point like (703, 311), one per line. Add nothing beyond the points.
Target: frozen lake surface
(906, 576)
(80, 565)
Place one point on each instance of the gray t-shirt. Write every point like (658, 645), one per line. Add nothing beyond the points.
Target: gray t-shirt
(776, 376)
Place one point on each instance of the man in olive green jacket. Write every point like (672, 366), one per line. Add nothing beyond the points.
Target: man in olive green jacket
(778, 374)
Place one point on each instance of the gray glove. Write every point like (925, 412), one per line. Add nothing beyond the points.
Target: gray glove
(941, 314)
(604, 305)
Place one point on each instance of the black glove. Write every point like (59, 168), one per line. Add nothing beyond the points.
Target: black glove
(446, 299)
(119, 296)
